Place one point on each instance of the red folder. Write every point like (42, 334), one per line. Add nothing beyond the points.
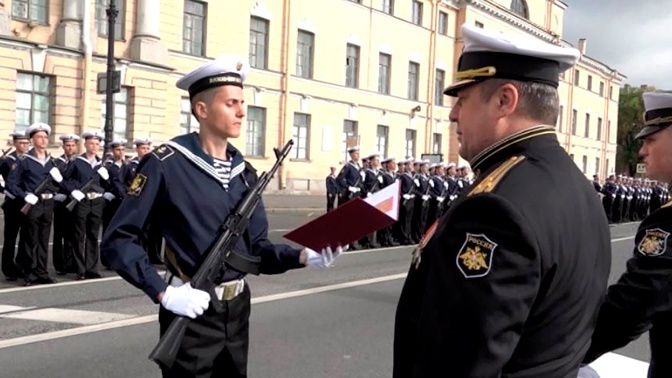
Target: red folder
(350, 222)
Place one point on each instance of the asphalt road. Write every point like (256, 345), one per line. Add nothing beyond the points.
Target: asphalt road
(305, 323)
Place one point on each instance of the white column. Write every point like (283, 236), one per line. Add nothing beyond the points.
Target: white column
(72, 10)
(146, 44)
(69, 31)
(147, 20)
(4, 18)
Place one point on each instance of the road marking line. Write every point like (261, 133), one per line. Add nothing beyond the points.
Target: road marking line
(61, 315)
(377, 249)
(622, 239)
(8, 308)
(153, 318)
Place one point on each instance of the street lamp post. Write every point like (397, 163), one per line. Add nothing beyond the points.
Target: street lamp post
(112, 13)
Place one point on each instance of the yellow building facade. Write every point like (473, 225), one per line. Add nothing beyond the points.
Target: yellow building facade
(323, 72)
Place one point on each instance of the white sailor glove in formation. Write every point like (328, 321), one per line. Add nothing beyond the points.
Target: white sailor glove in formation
(587, 372)
(440, 199)
(322, 260)
(30, 198)
(60, 197)
(185, 301)
(102, 172)
(77, 195)
(354, 189)
(425, 197)
(56, 174)
(407, 196)
(108, 196)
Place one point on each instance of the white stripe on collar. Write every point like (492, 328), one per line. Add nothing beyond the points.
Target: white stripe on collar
(200, 163)
(38, 160)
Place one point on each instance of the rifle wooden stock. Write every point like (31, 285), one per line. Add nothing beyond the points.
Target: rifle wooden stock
(234, 227)
(38, 191)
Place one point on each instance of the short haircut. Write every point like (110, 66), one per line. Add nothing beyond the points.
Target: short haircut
(537, 101)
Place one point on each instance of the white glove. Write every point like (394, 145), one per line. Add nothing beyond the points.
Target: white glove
(380, 179)
(440, 199)
(78, 195)
(108, 196)
(30, 198)
(185, 300)
(587, 372)
(368, 194)
(102, 171)
(354, 189)
(56, 174)
(425, 197)
(431, 183)
(325, 259)
(407, 196)
(417, 182)
(60, 197)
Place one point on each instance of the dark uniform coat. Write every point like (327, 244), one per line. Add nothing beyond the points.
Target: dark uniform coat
(509, 282)
(641, 300)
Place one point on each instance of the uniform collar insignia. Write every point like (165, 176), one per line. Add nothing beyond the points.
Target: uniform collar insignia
(489, 152)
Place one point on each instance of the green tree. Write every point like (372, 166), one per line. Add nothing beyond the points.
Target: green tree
(630, 121)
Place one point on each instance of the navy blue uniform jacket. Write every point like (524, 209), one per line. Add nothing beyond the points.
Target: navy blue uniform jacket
(177, 188)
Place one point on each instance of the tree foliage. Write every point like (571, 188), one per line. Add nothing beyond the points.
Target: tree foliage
(630, 121)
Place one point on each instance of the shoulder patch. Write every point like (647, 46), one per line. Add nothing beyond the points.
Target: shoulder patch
(475, 257)
(490, 182)
(137, 185)
(653, 243)
(13, 167)
(163, 152)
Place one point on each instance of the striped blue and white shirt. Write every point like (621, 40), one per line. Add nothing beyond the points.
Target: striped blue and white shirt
(223, 169)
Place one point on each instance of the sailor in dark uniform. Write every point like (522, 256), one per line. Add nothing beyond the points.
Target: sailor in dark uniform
(509, 281)
(23, 181)
(406, 203)
(373, 181)
(641, 300)
(332, 189)
(188, 187)
(422, 198)
(436, 194)
(63, 242)
(87, 181)
(349, 178)
(115, 165)
(385, 236)
(609, 190)
(11, 208)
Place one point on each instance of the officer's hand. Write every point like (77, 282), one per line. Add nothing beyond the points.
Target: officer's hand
(56, 174)
(102, 171)
(78, 195)
(185, 301)
(30, 198)
(587, 372)
(108, 196)
(322, 260)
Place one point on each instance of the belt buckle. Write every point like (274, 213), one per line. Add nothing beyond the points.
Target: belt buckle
(229, 292)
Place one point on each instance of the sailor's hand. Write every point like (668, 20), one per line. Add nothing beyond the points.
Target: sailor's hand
(185, 301)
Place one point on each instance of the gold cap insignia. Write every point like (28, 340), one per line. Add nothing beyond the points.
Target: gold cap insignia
(475, 257)
(654, 242)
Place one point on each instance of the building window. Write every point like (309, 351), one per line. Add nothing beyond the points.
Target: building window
(577, 75)
(188, 123)
(601, 89)
(121, 108)
(31, 10)
(519, 7)
(479, 25)
(438, 87)
(349, 133)
(388, 6)
(33, 100)
(417, 12)
(410, 142)
(574, 116)
(586, 131)
(258, 43)
(352, 66)
(193, 32)
(413, 72)
(611, 92)
(597, 166)
(382, 134)
(590, 82)
(599, 129)
(256, 131)
(436, 143)
(304, 54)
(609, 131)
(384, 70)
(301, 134)
(608, 170)
(584, 164)
(101, 18)
(560, 118)
(443, 23)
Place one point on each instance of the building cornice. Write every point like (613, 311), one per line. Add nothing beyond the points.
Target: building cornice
(511, 19)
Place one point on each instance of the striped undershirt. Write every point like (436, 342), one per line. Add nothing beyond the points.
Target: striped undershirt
(223, 169)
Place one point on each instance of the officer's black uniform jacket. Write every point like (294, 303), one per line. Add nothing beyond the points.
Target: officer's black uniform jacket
(177, 189)
(27, 175)
(510, 282)
(641, 300)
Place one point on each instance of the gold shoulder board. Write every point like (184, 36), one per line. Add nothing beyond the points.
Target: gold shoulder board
(489, 183)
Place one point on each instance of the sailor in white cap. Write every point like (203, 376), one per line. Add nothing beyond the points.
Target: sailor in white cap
(350, 181)
(332, 188)
(187, 188)
(11, 206)
(639, 302)
(142, 148)
(402, 232)
(373, 181)
(115, 165)
(33, 178)
(486, 259)
(86, 180)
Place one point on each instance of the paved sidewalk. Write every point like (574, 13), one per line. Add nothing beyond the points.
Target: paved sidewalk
(294, 202)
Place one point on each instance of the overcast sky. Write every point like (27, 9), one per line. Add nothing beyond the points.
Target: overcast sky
(632, 36)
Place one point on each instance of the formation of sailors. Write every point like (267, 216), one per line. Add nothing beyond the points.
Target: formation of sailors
(628, 199)
(427, 191)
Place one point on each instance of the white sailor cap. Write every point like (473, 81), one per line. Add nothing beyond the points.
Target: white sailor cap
(69, 137)
(17, 135)
(426, 161)
(433, 165)
(489, 54)
(387, 160)
(373, 155)
(93, 134)
(657, 113)
(38, 126)
(141, 141)
(451, 165)
(352, 149)
(224, 70)
(118, 142)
